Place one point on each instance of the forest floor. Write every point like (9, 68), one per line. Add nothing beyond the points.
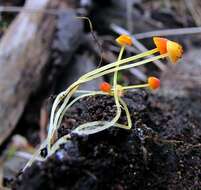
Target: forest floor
(161, 151)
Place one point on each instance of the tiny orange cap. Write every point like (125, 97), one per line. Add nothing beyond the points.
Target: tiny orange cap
(124, 40)
(161, 44)
(153, 82)
(105, 87)
(174, 50)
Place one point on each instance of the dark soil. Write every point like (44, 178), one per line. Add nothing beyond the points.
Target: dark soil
(162, 151)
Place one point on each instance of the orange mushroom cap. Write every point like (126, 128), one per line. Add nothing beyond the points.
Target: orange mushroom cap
(124, 40)
(173, 49)
(161, 44)
(105, 87)
(153, 82)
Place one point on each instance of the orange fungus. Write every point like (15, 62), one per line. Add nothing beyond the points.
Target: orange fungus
(174, 50)
(105, 87)
(153, 82)
(161, 44)
(124, 40)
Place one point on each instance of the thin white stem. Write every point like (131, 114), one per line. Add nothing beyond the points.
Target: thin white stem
(135, 86)
(80, 81)
(65, 93)
(127, 113)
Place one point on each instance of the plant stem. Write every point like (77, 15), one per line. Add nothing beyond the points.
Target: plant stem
(80, 81)
(124, 67)
(94, 72)
(135, 86)
(116, 96)
(83, 80)
(120, 62)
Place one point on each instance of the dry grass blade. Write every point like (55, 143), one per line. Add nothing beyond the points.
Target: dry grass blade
(169, 32)
(15, 9)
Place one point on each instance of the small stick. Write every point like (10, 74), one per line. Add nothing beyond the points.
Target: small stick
(15, 9)
(169, 32)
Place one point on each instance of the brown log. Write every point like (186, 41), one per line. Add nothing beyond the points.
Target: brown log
(24, 51)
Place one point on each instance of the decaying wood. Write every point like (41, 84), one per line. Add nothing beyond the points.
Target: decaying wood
(24, 51)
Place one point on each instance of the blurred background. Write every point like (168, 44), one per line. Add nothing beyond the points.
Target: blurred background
(48, 44)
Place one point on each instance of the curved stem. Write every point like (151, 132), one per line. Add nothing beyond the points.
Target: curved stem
(36, 154)
(52, 125)
(127, 114)
(116, 96)
(94, 72)
(97, 126)
(60, 113)
(80, 81)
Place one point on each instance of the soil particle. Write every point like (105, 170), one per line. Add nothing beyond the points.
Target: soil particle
(161, 151)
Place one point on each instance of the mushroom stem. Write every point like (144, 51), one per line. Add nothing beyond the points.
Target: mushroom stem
(135, 86)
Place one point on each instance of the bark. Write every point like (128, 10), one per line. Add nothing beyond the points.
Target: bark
(24, 52)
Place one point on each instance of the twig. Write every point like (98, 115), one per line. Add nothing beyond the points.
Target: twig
(15, 9)
(94, 37)
(129, 15)
(26, 155)
(169, 32)
(141, 47)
